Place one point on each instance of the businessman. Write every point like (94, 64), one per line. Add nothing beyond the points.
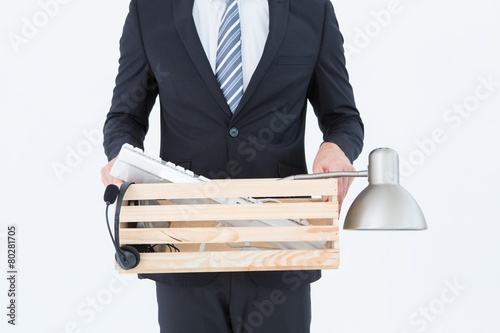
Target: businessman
(233, 79)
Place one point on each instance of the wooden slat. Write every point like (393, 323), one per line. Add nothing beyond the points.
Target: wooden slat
(232, 188)
(236, 261)
(227, 235)
(213, 224)
(268, 211)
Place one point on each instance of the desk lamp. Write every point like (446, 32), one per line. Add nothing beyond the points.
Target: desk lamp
(383, 204)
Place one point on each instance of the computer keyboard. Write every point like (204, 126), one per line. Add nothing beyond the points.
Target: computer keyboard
(133, 165)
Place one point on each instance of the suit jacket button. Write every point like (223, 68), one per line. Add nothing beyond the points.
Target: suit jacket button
(233, 132)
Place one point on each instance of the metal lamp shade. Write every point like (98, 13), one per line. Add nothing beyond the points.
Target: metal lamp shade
(384, 204)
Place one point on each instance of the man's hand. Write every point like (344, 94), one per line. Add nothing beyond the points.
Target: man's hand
(331, 158)
(106, 178)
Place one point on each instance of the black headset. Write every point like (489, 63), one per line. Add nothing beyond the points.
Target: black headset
(126, 256)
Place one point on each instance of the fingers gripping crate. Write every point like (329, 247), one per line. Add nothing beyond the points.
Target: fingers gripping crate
(232, 237)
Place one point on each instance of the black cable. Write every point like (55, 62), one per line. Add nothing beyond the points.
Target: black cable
(118, 250)
(173, 248)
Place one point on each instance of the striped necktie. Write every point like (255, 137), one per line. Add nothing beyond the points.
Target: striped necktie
(228, 63)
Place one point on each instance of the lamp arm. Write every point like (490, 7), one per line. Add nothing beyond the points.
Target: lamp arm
(333, 174)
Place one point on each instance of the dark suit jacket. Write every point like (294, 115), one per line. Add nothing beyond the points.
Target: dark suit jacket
(303, 59)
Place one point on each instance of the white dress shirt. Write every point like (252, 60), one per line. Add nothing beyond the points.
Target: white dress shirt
(254, 21)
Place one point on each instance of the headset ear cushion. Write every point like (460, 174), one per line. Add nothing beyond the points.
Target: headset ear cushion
(131, 257)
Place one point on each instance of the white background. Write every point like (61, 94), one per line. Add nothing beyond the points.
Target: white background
(408, 70)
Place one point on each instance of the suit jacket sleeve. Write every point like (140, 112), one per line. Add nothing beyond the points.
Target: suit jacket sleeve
(331, 95)
(135, 91)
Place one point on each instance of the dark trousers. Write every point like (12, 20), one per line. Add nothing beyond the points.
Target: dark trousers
(233, 303)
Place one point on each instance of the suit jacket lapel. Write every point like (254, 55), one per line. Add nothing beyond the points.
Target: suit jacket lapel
(278, 19)
(184, 23)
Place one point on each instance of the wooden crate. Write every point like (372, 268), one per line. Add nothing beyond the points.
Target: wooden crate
(232, 248)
